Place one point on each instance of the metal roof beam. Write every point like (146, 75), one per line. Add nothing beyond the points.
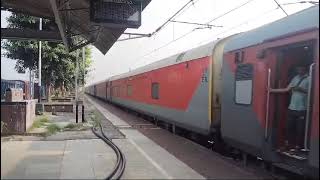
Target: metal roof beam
(37, 8)
(29, 34)
(59, 23)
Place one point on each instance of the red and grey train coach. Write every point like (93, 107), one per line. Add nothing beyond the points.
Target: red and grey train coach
(222, 88)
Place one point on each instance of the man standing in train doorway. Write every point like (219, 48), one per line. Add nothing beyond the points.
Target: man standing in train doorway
(296, 117)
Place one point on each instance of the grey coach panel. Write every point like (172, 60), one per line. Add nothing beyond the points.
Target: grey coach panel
(241, 124)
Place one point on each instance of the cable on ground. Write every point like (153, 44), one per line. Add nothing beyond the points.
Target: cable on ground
(120, 165)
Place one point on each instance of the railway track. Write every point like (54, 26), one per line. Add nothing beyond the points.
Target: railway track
(253, 164)
(120, 165)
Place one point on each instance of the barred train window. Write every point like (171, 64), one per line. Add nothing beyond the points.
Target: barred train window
(113, 91)
(155, 90)
(129, 90)
(243, 84)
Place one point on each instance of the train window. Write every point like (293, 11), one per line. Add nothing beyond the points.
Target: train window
(129, 90)
(118, 91)
(112, 91)
(243, 84)
(238, 58)
(115, 91)
(242, 56)
(155, 90)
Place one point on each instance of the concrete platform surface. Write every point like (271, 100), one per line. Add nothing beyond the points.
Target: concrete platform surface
(169, 166)
(86, 159)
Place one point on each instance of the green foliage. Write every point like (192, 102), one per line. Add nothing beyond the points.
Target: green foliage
(39, 122)
(52, 128)
(75, 127)
(95, 117)
(71, 126)
(58, 66)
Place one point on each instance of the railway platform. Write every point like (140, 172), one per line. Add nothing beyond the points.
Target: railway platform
(83, 156)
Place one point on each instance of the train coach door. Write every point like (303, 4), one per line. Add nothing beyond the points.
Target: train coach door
(291, 134)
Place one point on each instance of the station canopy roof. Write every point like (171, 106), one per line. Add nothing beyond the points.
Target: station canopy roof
(72, 18)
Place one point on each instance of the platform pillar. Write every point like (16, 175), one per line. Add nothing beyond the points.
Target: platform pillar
(76, 112)
(83, 113)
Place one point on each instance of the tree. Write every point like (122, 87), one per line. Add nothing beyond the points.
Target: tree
(58, 66)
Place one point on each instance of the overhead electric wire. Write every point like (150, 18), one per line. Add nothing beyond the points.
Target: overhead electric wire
(280, 7)
(193, 23)
(184, 35)
(252, 19)
(173, 16)
(236, 8)
(176, 14)
(168, 43)
(242, 23)
(186, 8)
(130, 38)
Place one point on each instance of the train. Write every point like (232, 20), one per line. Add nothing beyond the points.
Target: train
(221, 89)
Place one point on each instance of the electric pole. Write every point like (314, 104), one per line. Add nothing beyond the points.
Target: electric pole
(39, 81)
(76, 75)
(83, 65)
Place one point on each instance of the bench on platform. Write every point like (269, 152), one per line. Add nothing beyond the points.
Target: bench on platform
(58, 106)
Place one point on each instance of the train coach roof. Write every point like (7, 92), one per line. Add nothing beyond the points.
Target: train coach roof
(185, 56)
(306, 19)
(98, 82)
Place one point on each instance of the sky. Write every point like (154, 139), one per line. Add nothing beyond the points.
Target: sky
(7, 65)
(173, 38)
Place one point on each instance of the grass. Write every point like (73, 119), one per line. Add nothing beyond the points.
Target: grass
(96, 118)
(71, 126)
(75, 127)
(39, 122)
(42, 121)
(52, 129)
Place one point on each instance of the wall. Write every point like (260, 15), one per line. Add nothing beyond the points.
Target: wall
(18, 116)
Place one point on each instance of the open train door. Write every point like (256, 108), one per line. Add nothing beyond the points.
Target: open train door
(283, 54)
(253, 119)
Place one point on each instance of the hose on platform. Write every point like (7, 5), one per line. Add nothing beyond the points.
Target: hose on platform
(120, 165)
